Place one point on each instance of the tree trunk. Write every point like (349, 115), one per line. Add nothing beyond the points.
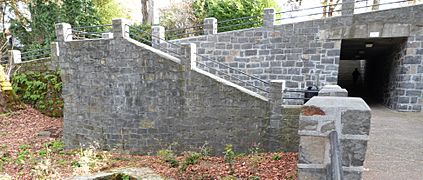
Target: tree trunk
(144, 11)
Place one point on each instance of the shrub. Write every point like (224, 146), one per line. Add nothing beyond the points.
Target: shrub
(41, 90)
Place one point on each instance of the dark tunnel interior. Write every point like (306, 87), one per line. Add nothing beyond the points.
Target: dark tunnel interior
(375, 60)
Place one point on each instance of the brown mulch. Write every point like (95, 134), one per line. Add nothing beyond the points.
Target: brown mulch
(22, 128)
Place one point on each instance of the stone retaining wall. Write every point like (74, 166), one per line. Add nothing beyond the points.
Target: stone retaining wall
(126, 95)
(307, 53)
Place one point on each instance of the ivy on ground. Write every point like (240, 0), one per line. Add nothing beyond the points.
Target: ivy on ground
(41, 90)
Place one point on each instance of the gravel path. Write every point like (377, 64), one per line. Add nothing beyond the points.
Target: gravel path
(395, 149)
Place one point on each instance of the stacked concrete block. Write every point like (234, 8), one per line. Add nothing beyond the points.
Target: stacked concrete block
(333, 90)
(350, 119)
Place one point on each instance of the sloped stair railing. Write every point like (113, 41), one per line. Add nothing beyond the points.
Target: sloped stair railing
(205, 63)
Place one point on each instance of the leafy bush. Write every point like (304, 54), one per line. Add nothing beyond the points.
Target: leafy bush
(141, 33)
(191, 159)
(168, 156)
(224, 10)
(41, 90)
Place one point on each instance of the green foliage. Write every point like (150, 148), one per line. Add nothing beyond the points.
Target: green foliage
(23, 154)
(229, 156)
(253, 178)
(191, 159)
(255, 149)
(231, 9)
(168, 156)
(108, 10)
(276, 157)
(141, 33)
(40, 30)
(41, 90)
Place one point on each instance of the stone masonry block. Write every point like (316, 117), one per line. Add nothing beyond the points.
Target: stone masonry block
(353, 152)
(355, 122)
(313, 150)
(312, 173)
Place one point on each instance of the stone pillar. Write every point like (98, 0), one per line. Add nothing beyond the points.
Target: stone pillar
(54, 55)
(350, 119)
(347, 7)
(190, 52)
(63, 32)
(210, 26)
(120, 28)
(269, 17)
(15, 57)
(275, 99)
(333, 90)
(157, 36)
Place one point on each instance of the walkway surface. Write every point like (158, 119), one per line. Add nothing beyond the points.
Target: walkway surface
(395, 148)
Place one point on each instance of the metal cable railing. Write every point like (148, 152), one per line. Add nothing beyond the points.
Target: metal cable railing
(144, 36)
(329, 10)
(36, 54)
(240, 23)
(90, 32)
(210, 65)
(185, 32)
(378, 6)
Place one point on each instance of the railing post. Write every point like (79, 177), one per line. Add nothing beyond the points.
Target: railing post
(63, 32)
(275, 99)
(269, 17)
(190, 52)
(54, 55)
(15, 56)
(158, 35)
(333, 90)
(321, 115)
(120, 28)
(210, 26)
(347, 7)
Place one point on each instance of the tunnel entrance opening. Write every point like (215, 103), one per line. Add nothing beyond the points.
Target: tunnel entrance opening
(366, 67)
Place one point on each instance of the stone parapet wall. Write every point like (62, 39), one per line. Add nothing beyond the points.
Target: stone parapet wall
(126, 95)
(321, 115)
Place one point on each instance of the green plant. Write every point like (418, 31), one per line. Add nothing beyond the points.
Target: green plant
(168, 156)
(224, 10)
(206, 150)
(41, 90)
(276, 157)
(90, 160)
(229, 156)
(23, 154)
(191, 159)
(253, 178)
(255, 149)
(141, 33)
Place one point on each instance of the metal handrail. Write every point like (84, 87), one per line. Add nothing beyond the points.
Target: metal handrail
(241, 18)
(32, 51)
(83, 33)
(86, 27)
(179, 29)
(235, 25)
(209, 59)
(395, 2)
(305, 15)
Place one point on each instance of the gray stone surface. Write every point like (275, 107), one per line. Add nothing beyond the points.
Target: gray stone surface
(395, 145)
(349, 118)
(125, 95)
(308, 53)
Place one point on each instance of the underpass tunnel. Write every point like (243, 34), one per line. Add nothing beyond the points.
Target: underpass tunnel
(374, 61)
